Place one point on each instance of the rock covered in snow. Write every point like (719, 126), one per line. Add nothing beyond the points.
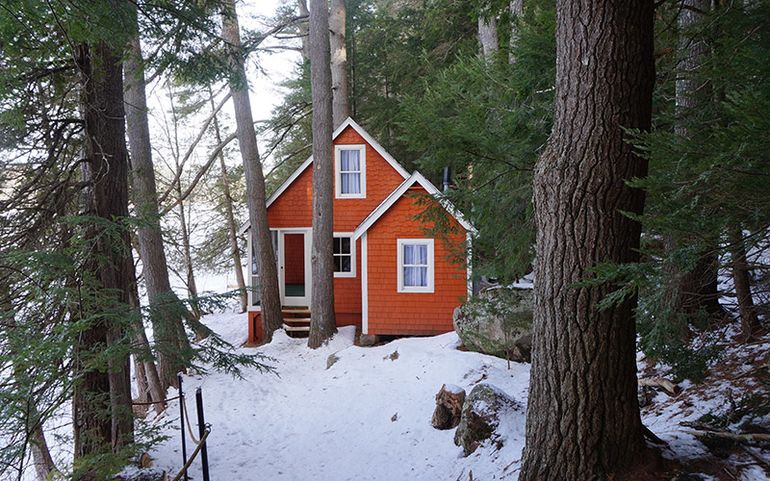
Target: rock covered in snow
(449, 405)
(141, 474)
(482, 412)
(498, 322)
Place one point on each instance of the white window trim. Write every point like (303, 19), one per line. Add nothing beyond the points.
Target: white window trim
(400, 263)
(337, 177)
(352, 272)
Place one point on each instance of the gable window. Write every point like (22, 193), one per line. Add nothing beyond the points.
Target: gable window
(350, 168)
(344, 255)
(415, 265)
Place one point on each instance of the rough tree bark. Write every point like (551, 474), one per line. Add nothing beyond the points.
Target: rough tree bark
(166, 310)
(488, 31)
(749, 320)
(102, 415)
(232, 227)
(696, 291)
(339, 62)
(270, 302)
(583, 418)
(323, 321)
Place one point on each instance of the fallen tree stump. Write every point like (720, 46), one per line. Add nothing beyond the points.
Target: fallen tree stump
(669, 387)
(747, 438)
(449, 406)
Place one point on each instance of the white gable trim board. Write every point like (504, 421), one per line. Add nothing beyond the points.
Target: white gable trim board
(364, 285)
(349, 122)
(390, 200)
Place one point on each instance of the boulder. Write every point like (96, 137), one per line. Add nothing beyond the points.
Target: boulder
(449, 406)
(498, 322)
(481, 414)
(141, 474)
(366, 340)
(331, 360)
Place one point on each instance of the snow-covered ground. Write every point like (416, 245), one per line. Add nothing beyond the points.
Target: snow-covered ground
(367, 417)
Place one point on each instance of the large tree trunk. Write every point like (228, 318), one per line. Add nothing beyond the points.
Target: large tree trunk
(232, 227)
(323, 322)
(102, 413)
(270, 300)
(339, 63)
(583, 418)
(749, 321)
(166, 310)
(488, 33)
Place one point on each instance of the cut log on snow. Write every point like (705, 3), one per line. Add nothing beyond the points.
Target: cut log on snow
(669, 387)
(746, 438)
(449, 406)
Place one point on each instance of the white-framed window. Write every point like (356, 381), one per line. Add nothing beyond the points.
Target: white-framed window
(415, 265)
(350, 171)
(344, 255)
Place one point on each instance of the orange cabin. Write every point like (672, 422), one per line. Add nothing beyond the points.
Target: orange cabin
(391, 276)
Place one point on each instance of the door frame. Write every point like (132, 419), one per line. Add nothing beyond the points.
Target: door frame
(293, 300)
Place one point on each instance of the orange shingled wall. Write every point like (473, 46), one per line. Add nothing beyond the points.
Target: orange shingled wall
(294, 208)
(392, 312)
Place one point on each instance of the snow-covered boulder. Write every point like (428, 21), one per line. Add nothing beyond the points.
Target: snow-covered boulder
(483, 410)
(141, 474)
(498, 322)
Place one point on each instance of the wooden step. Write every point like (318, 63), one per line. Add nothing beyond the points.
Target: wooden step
(296, 328)
(296, 322)
(295, 313)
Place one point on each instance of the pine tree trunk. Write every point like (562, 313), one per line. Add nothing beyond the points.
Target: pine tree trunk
(323, 323)
(303, 29)
(488, 32)
(270, 299)
(45, 468)
(232, 227)
(339, 63)
(693, 293)
(148, 380)
(749, 321)
(583, 418)
(166, 310)
(192, 287)
(516, 9)
(102, 415)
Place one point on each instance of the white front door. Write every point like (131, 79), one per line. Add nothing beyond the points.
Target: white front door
(294, 274)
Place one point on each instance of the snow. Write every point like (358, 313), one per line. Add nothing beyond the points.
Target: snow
(367, 417)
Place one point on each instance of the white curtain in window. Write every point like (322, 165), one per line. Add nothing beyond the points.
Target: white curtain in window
(350, 172)
(415, 265)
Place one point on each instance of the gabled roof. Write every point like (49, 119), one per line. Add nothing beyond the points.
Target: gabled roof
(349, 122)
(390, 200)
